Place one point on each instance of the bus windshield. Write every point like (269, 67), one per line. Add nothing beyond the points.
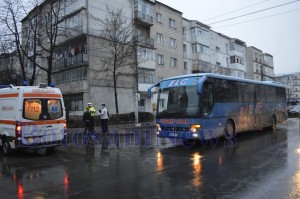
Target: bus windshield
(181, 101)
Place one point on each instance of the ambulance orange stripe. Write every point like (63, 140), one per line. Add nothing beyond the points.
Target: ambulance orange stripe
(42, 95)
(9, 122)
(43, 122)
(9, 95)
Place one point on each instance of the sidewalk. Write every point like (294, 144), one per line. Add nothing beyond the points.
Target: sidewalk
(120, 129)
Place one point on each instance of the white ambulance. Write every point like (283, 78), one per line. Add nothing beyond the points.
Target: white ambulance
(31, 117)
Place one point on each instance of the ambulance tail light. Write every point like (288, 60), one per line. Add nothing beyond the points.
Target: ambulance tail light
(65, 129)
(18, 130)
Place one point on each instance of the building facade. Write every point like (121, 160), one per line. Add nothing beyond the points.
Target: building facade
(292, 84)
(165, 43)
(259, 65)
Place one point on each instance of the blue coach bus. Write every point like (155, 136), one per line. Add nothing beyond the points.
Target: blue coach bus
(205, 106)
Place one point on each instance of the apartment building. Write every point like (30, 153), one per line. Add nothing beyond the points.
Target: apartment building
(292, 83)
(166, 45)
(78, 68)
(259, 65)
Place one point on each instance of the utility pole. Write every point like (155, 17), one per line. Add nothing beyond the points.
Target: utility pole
(137, 95)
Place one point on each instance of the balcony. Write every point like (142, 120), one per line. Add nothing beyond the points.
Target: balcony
(236, 53)
(200, 66)
(145, 41)
(143, 19)
(201, 56)
(70, 62)
(72, 6)
(237, 66)
(147, 64)
(200, 40)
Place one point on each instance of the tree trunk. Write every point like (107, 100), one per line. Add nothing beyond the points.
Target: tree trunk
(116, 94)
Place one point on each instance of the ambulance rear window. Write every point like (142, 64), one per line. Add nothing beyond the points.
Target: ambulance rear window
(42, 109)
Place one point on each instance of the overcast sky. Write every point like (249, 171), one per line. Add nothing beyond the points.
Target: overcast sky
(275, 31)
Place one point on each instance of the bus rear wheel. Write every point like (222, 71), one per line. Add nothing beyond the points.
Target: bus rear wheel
(229, 130)
(273, 123)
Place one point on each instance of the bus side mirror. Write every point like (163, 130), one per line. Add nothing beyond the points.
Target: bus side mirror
(200, 85)
(149, 90)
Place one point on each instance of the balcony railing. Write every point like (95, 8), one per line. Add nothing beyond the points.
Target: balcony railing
(145, 18)
(70, 61)
(202, 67)
(145, 41)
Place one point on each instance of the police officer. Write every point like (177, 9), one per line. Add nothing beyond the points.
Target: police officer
(92, 111)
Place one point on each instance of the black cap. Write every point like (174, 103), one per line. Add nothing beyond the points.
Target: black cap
(102, 104)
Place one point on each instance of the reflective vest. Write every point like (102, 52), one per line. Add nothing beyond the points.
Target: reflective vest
(92, 111)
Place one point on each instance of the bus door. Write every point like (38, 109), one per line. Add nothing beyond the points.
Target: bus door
(247, 118)
(259, 97)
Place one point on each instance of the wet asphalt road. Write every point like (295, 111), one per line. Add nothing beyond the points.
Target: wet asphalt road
(263, 164)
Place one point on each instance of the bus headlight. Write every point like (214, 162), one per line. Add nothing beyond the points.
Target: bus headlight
(195, 127)
(158, 129)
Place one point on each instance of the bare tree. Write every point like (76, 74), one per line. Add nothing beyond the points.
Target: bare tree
(12, 12)
(37, 43)
(45, 31)
(8, 72)
(119, 47)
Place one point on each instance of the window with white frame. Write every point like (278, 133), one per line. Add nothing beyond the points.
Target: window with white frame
(159, 38)
(199, 32)
(146, 76)
(146, 54)
(160, 59)
(198, 48)
(172, 23)
(158, 18)
(173, 62)
(162, 103)
(172, 43)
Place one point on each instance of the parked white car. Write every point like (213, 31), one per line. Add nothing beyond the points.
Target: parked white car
(296, 109)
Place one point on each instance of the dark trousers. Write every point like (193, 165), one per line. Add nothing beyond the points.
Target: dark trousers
(104, 125)
(104, 128)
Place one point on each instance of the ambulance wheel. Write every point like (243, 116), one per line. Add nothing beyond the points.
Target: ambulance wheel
(6, 147)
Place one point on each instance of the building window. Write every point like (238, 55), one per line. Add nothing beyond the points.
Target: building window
(141, 102)
(73, 102)
(185, 64)
(75, 74)
(172, 23)
(200, 33)
(159, 38)
(198, 48)
(173, 62)
(146, 54)
(234, 59)
(160, 59)
(158, 18)
(162, 103)
(160, 79)
(172, 43)
(146, 76)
